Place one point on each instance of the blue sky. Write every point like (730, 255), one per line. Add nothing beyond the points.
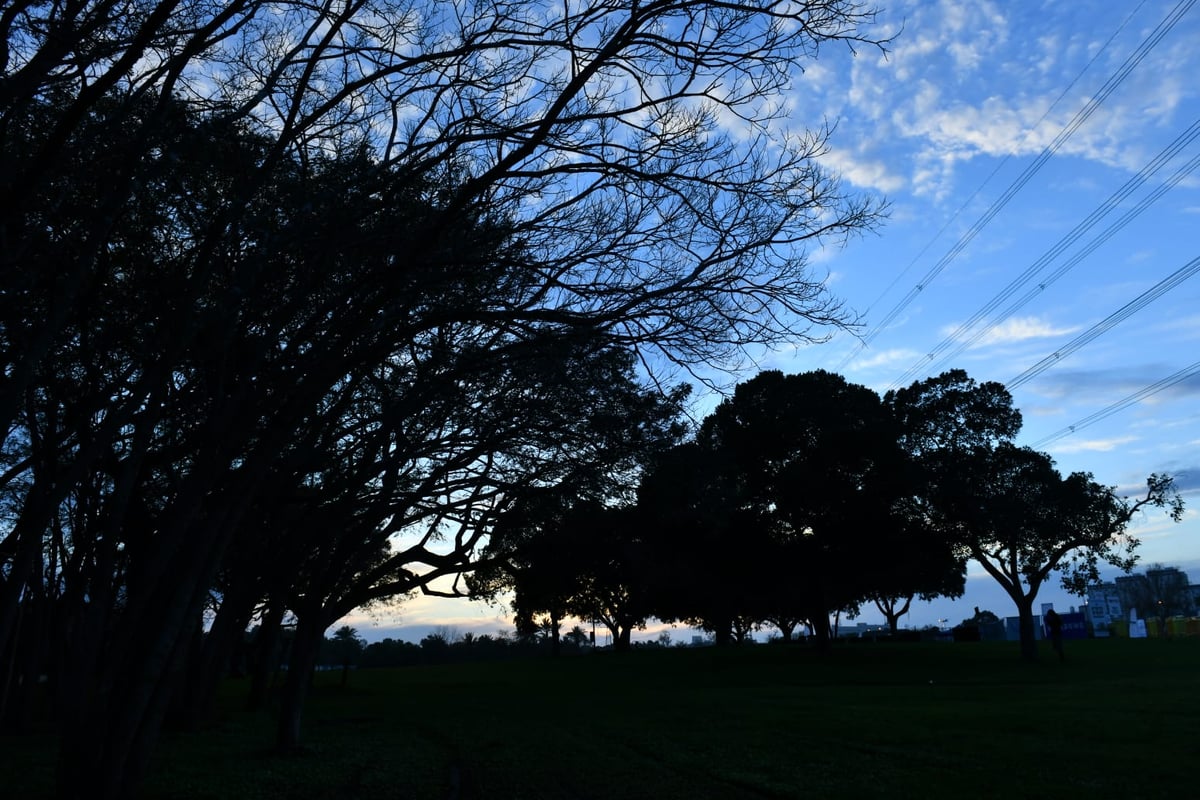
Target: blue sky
(994, 129)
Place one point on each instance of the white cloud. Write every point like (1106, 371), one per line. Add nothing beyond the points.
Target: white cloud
(1093, 445)
(1020, 329)
(885, 358)
(862, 172)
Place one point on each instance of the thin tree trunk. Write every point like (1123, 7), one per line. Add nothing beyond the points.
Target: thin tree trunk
(301, 666)
(265, 660)
(211, 661)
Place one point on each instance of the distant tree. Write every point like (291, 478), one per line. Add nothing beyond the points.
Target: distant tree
(785, 624)
(983, 617)
(577, 638)
(1019, 518)
(346, 648)
(615, 572)
(389, 652)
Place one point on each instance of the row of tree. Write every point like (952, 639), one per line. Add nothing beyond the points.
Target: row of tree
(803, 496)
(296, 298)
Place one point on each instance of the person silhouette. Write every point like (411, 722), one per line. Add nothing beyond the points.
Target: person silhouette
(1054, 627)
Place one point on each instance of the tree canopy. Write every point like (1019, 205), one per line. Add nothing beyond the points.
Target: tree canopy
(284, 283)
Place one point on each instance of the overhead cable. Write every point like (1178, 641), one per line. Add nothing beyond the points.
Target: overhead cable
(1114, 80)
(1111, 321)
(957, 342)
(1184, 374)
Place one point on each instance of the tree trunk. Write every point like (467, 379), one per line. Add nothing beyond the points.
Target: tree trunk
(822, 633)
(301, 666)
(125, 662)
(1028, 634)
(264, 660)
(105, 754)
(211, 662)
(722, 629)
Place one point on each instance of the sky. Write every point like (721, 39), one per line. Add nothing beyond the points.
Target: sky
(1043, 222)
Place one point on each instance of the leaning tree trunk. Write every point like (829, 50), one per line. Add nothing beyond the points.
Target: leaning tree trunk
(301, 665)
(211, 660)
(264, 659)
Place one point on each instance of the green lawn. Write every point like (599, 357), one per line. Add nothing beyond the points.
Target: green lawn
(1120, 718)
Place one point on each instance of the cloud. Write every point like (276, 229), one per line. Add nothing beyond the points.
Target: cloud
(1187, 479)
(885, 358)
(1092, 445)
(1018, 329)
(861, 171)
(1186, 327)
(1113, 384)
(955, 88)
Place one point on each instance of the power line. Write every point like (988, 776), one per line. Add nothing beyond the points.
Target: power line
(1191, 371)
(1028, 133)
(956, 339)
(1033, 168)
(1111, 321)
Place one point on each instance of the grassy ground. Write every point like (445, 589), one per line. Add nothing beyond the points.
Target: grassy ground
(1119, 718)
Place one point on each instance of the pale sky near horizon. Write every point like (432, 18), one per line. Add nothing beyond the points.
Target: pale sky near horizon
(999, 132)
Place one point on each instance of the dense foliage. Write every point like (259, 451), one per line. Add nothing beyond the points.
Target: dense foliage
(296, 298)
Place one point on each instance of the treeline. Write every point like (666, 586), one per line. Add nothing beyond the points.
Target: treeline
(346, 649)
(805, 496)
(305, 306)
(296, 299)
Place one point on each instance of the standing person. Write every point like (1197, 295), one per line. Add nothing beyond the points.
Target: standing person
(1054, 627)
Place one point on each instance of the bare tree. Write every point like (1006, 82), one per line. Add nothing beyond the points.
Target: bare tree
(178, 328)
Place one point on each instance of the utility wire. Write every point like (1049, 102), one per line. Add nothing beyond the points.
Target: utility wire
(1028, 133)
(958, 339)
(1114, 80)
(1184, 374)
(1111, 321)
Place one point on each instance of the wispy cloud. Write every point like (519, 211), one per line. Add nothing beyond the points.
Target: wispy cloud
(1093, 445)
(863, 171)
(942, 123)
(1018, 329)
(885, 358)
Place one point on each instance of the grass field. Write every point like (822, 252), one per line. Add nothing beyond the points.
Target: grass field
(1119, 718)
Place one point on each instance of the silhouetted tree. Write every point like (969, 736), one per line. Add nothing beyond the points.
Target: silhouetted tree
(820, 467)
(345, 648)
(1019, 518)
(219, 223)
(939, 420)
(688, 501)
(616, 573)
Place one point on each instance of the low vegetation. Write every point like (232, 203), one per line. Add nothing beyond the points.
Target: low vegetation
(1117, 719)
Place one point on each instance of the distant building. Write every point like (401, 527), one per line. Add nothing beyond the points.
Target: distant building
(1159, 592)
(1104, 607)
(861, 630)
